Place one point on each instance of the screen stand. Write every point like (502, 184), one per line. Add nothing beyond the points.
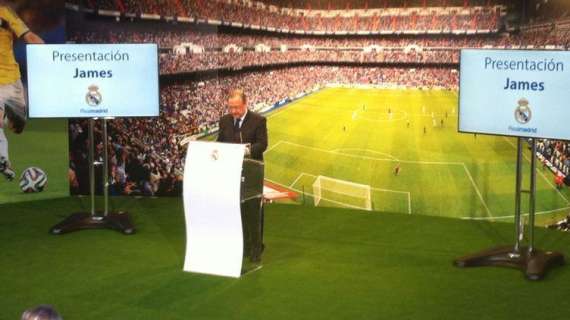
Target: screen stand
(532, 262)
(120, 220)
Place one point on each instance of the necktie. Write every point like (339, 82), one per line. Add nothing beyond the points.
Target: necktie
(237, 131)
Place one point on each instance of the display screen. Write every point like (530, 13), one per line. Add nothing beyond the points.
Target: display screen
(522, 93)
(92, 80)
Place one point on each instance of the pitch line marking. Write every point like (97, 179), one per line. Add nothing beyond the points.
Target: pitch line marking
(405, 161)
(409, 195)
(274, 146)
(477, 190)
(296, 180)
(371, 188)
(430, 116)
(540, 172)
(407, 116)
(312, 195)
(253, 270)
(356, 116)
(390, 118)
(372, 158)
(409, 203)
(366, 150)
(512, 216)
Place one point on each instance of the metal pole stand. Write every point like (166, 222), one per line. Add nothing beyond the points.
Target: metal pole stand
(533, 262)
(120, 220)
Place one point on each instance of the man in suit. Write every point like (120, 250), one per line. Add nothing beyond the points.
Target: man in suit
(247, 127)
(244, 126)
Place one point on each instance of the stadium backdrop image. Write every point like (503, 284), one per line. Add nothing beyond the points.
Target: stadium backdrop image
(379, 187)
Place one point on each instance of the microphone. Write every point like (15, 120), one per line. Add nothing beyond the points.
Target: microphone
(240, 137)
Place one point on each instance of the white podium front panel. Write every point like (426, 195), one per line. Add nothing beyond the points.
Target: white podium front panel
(212, 180)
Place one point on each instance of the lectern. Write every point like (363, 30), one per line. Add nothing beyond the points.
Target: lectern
(222, 206)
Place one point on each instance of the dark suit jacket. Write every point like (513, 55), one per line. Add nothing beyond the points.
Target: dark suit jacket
(253, 130)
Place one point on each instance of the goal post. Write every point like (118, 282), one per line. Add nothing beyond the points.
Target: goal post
(329, 191)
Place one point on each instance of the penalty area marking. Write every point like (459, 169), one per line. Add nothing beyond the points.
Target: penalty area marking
(407, 193)
(480, 196)
(312, 195)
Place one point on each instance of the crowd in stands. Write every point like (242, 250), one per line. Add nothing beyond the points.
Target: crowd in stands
(211, 40)
(420, 19)
(146, 155)
(557, 153)
(360, 4)
(175, 64)
(142, 159)
(392, 50)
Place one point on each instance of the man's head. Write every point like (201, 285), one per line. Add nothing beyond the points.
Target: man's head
(237, 103)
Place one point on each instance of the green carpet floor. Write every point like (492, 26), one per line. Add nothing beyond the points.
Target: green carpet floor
(318, 264)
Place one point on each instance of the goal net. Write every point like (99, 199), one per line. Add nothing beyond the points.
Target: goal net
(335, 192)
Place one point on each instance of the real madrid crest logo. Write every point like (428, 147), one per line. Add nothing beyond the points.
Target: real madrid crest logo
(93, 96)
(523, 114)
(215, 155)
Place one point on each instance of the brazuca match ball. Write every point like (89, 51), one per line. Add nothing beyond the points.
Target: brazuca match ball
(33, 179)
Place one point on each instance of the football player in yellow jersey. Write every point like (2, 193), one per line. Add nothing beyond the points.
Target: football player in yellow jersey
(12, 101)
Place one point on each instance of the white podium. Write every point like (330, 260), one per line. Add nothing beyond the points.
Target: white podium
(211, 191)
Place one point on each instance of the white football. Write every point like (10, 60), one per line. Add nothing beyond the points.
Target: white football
(33, 179)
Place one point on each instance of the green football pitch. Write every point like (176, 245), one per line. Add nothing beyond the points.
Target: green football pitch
(360, 137)
(43, 144)
(319, 263)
